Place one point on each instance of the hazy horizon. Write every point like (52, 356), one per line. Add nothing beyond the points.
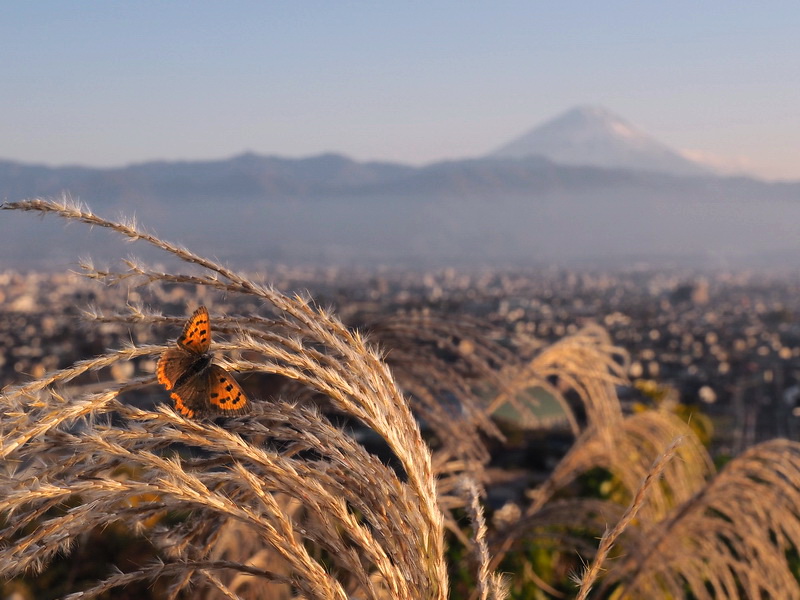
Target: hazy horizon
(108, 85)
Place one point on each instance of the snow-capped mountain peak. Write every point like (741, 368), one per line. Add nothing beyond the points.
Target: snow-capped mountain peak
(594, 136)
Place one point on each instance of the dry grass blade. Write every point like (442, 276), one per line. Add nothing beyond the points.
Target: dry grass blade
(171, 570)
(491, 586)
(637, 443)
(610, 536)
(629, 457)
(731, 540)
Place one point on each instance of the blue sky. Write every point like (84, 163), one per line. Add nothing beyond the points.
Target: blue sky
(109, 83)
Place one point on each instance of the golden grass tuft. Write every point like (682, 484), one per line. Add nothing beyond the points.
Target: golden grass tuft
(284, 503)
(371, 524)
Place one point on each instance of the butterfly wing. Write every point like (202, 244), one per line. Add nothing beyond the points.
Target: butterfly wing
(225, 395)
(191, 396)
(196, 336)
(172, 364)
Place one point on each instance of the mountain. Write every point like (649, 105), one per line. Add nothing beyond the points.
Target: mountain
(246, 175)
(594, 136)
(478, 211)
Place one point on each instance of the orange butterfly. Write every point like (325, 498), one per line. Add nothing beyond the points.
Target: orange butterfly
(198, 386)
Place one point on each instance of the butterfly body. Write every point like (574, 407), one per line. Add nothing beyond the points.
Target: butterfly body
(196, 367)
(198, 386)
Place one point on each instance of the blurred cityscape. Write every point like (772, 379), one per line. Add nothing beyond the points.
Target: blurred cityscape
(727, 341)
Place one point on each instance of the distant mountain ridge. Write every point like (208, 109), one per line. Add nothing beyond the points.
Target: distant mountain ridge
(327, 175)
(485, 210)
(594, 136)
(243, 175)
